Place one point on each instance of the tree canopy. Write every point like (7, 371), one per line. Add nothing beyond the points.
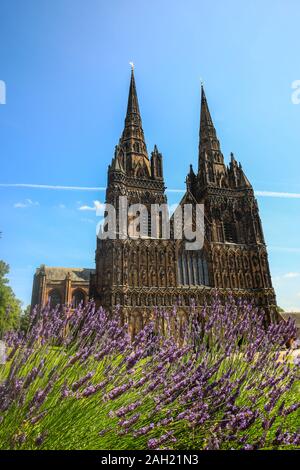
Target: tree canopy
(10, 306)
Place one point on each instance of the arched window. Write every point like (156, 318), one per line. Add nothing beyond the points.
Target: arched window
(55, 298)
(78, 298)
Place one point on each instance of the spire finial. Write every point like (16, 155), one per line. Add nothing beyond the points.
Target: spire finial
(133, 106)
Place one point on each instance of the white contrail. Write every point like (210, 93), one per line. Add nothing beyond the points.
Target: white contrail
(277, 194)
(257, 193)
(102, 188)
(49, 186)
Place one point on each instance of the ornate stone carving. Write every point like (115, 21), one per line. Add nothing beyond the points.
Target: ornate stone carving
(154, 272)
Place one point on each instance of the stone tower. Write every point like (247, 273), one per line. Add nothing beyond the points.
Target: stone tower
(234, 240)
(147, 271)
(134, 273)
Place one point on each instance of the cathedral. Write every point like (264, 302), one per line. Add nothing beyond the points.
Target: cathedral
(142, 273)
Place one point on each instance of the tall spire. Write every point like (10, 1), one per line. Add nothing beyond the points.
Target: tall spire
(211, 160)
(208, 137)
(133, 104)
(132, 151)
(132, 139)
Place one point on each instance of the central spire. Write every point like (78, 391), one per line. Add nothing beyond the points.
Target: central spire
(133, 104)
(208, 137)
(211, 161)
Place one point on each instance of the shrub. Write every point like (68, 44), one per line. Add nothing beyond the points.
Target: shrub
(76, 381)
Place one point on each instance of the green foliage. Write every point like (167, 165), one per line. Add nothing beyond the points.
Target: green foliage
(25, 319)
(77, 382)
(10, 306)
(86, 423)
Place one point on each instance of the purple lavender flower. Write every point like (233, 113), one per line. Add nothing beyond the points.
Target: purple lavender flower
(41, 438)
(144, 430)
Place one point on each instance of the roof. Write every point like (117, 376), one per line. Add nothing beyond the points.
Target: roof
(60, 273)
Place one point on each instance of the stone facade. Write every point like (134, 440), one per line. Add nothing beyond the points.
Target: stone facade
(143, 273)
(139, 274)
(61, 286)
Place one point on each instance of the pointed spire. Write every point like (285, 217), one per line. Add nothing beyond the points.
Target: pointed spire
(156, 164)
(133, 104)
(192, 170)
(132, 141)
(237, 177)
(205, 113)
(190, 179)
(211, 161)
(208, 135)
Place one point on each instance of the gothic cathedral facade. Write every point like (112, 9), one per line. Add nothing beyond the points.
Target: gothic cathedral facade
(145, 273)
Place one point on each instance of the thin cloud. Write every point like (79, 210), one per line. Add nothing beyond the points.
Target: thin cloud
(291, 275)
(286, 276)
(278, 194)
(86, 208)
(26, 203)
(98, 207)
(274, 194)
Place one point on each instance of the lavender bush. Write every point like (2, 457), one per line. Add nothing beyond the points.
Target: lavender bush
(74, 380)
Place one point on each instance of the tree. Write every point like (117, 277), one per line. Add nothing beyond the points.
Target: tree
(10, 306)
(25, 319)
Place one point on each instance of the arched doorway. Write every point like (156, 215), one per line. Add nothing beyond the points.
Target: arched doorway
(78, 298)
(55, 298)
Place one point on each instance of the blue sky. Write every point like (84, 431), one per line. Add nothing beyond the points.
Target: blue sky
(65, 66)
